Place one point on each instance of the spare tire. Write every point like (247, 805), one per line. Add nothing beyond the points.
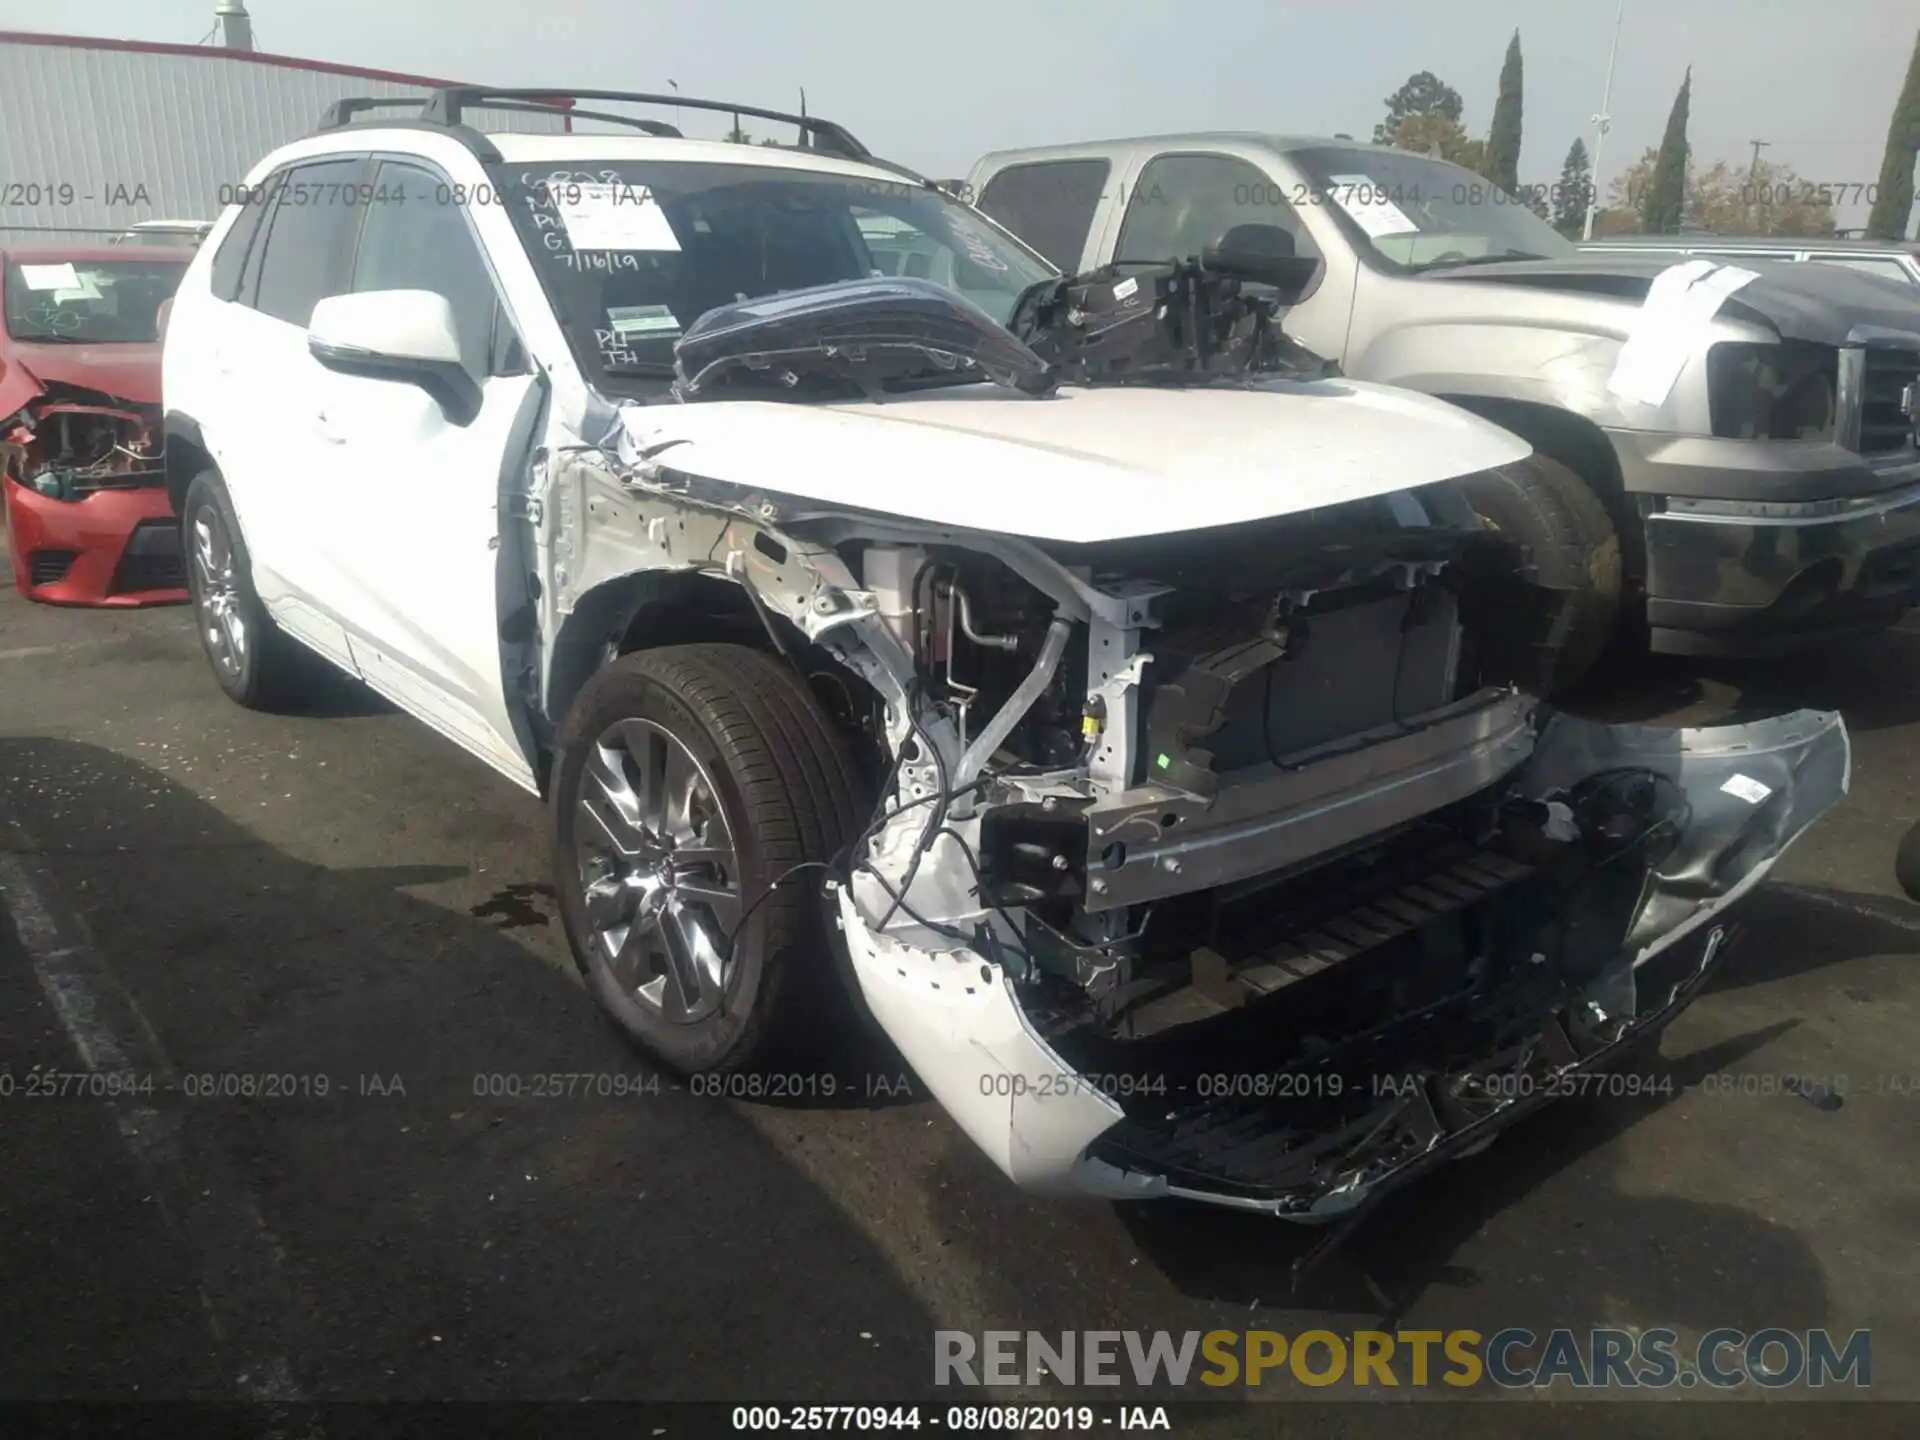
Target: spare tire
(1569, 543)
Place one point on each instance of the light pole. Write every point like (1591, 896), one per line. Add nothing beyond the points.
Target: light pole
(1603, 122)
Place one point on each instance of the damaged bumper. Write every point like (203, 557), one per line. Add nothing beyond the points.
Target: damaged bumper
(1754, 545)
(109, 548)
(1495, 978)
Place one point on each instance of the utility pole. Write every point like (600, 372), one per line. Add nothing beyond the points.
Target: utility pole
(1753, 186)
(1603, 122)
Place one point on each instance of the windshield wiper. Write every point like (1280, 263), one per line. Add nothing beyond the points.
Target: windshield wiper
(1492, 259)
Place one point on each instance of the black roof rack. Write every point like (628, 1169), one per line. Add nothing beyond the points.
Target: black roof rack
(444, 107)
(342, 111)
(443, 110)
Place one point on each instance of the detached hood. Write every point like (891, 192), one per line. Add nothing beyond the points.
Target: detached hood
(1820, 303)
(1086, 464)
(126, 372)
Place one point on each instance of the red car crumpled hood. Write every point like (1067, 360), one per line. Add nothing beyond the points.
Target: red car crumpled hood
(129, 372)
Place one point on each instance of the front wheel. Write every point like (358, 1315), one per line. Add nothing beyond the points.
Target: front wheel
(698, 795)
(252, 659)
(1570, 544)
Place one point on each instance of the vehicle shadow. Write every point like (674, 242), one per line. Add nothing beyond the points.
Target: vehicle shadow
(327, 693)
(1872, 680)
(1790, 930)
(1684, 1259)
(1403, 1248)
(1542, 1229)
(474, 1190)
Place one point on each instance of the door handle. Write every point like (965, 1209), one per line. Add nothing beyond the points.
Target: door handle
(327, 432)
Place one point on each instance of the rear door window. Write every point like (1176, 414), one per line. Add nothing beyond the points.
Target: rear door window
(303, 251)
(230, 260)
(1050, 204)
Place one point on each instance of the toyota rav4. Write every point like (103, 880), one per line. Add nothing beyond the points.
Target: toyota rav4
(1121, 702)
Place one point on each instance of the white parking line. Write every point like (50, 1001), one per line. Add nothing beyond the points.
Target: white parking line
(215, 1217)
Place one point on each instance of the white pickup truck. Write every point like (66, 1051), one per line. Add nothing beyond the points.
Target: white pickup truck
(1727, 445)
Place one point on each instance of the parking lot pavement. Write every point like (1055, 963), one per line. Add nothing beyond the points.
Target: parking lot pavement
(342, 899)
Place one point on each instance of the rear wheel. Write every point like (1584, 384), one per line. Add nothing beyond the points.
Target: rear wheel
(698, 794)
(252, 659)
(1570, 544)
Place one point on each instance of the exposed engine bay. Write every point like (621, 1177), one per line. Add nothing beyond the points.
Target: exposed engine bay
(1223, 862)
(70, 442)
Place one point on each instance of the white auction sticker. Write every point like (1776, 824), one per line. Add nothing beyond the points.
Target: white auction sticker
(49, 277)
(1671, 327)
(1126, 289)
(1746, 788)
(1367, 202)
(613, 217)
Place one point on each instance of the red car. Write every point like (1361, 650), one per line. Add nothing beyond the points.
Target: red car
(88, 520)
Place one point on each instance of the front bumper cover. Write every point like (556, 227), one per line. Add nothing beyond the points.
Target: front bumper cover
(1753, 545)
(114, 548)
(1750, 791)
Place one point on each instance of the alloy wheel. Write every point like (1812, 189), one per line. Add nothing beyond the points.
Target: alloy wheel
(216, 595)
(659, 870)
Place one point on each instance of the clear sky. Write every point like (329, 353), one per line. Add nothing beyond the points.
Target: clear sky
(934, 86)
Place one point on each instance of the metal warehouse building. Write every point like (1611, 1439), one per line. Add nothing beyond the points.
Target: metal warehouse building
(96, 135)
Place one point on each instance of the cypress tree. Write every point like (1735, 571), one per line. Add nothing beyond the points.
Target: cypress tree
(1667, 193)
(1503, 140)
(1894, 202)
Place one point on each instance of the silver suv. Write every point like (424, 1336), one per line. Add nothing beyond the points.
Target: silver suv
(1728, 449)
(1133, 750)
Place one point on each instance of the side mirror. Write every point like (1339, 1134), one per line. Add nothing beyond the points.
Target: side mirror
(404, 335)
(1265, 255)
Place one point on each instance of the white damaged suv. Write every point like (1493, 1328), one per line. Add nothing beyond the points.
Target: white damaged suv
(1121, 700)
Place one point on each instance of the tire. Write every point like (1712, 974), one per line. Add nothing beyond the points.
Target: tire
(1570, 544)
(1906, 862)
(268, 669)
(767, 763)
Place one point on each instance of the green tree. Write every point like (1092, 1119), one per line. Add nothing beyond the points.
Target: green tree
(1762, 199)
(1667, 192)
(1437, 135)
(1575, 190)
(1424, 94)
(1893, 205)
(1725, 199)
(1502, 160)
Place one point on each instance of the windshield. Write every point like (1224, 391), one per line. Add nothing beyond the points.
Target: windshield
(632, 253)
(1413, 213)
(89, 302)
